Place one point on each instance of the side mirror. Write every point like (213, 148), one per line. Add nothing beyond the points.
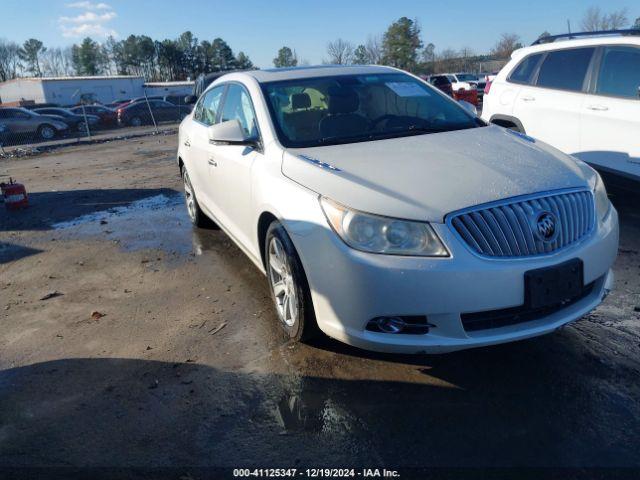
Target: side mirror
(469, 107)
(229, 133)
(190, 99)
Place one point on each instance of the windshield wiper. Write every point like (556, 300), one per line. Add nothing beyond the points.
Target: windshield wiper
(335, 139)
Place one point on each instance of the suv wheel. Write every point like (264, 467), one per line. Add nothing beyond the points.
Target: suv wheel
(288, 284)
(46, 132)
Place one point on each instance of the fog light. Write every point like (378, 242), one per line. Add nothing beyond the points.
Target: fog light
(410, 325)
(391, 324)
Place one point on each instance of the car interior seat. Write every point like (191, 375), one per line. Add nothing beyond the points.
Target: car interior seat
(342, 119)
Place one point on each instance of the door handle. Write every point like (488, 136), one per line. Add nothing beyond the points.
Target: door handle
(187, 143)
(598, 108)
(212, 162)
(528, 99)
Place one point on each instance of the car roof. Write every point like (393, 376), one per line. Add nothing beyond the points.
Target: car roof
(578, 42)
(293, 73)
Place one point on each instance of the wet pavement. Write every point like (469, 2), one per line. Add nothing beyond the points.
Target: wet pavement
(185, 365)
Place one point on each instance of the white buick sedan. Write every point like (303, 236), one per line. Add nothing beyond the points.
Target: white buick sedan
(389, 217)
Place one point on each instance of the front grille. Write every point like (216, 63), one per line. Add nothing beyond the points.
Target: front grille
(512, 316)
(507, 229)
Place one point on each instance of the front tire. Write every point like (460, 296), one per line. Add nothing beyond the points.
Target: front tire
(289, 287)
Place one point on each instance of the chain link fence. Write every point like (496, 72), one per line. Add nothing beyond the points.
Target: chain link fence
(28, 123)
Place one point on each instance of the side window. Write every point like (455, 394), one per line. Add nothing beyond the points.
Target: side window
(525, 69)
(565, 69)
(620, 72)
(207, 107)
(237, 105)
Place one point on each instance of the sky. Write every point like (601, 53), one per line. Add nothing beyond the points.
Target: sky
(261, 27)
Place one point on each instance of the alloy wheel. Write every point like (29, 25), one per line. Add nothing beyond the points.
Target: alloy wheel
(189, 197)
(282, 283)
(47, 132)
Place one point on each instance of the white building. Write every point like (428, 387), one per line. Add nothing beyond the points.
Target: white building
(169, 88)
(69, 90)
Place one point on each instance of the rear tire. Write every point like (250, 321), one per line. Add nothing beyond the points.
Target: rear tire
(288, 285)
(46, 132)
(135, 122)
(196, 215)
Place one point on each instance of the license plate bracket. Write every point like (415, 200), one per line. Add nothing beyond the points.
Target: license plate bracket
(551, 286)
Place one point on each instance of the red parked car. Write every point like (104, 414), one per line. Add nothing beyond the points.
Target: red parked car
(441, 82)
(108, 117)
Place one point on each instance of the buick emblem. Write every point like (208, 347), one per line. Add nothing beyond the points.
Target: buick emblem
(546, 226)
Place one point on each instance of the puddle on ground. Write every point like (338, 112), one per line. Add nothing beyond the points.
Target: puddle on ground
(158, 222)
(311, 411)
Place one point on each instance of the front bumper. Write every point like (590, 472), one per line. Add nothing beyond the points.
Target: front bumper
(349, 288)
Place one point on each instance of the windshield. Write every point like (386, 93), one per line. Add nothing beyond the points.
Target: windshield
(466, 77)
(355, 108)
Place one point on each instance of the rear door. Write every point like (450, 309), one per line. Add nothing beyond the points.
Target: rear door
(549, 109)
(196, 143)
(610, 128)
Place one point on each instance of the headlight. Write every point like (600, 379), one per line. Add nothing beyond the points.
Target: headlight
(602, 199)
(375, 234)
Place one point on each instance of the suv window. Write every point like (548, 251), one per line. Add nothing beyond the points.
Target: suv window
(525, 69)
(620, 72)
(207, 108)
(565, 69)
(237, 105)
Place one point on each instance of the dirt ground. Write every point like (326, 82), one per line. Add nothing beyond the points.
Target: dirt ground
(158, 346)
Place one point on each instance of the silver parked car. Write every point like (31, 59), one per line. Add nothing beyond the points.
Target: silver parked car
(20, 121)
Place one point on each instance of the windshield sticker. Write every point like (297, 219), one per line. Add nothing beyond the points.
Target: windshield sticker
(407, 89)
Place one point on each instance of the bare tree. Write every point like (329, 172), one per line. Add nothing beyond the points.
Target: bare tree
(340, 52)
(595, 20)
(54, 63)
(466, 56)
(374, 49)
(446, 61)
(9, 60)
(429, 53)
(506, 45)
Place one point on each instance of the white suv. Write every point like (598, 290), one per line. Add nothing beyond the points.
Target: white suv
(581, 95)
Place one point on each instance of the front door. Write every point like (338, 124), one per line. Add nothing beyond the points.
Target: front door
(231, 165)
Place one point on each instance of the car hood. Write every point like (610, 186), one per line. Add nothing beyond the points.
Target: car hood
(425, 177)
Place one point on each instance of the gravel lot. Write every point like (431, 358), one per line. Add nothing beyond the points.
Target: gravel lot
(159, 347)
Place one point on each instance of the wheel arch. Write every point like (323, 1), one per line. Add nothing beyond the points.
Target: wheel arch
(264, 220)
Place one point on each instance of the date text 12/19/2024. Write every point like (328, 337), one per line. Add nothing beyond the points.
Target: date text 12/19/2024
(315, 473)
